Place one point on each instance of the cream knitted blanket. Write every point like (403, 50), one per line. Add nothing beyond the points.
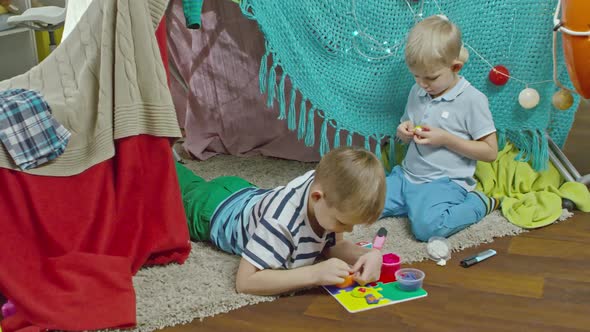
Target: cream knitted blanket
(104, 82)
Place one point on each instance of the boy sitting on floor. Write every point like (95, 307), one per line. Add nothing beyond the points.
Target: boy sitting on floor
(449, 127)
(281, 232)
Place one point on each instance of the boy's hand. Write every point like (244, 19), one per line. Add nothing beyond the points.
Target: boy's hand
(431, 136)
(368, 267)
(405, 131)
(331, 272)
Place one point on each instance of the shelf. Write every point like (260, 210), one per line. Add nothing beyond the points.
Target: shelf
(13, 31)
(18, 50)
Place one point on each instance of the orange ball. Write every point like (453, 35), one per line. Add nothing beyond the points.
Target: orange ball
(562, 100)
(348, 281)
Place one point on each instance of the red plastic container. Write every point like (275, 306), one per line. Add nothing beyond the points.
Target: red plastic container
(391, 263)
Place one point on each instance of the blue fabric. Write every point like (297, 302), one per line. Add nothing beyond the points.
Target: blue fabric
(438, 208)
(28, 131)
(321, 46)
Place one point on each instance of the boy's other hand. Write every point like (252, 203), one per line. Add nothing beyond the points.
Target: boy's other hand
(368, 267)
(331, 272)
(431, 136)
(405, 131)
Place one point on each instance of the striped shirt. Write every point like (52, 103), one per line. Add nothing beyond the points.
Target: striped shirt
(270, 227)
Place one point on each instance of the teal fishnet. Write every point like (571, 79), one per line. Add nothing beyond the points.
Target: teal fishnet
(314, 43)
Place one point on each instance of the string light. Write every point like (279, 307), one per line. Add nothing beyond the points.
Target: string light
(529, 97)
(513, 21)
(526, 84)
(383, 47)
(440, 11)
(501, 73)
(390, 50)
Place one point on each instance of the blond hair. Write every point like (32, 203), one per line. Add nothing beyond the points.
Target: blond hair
(353, 182)
(433, 43)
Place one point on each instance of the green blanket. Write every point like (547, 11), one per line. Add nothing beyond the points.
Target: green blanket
(530, 199)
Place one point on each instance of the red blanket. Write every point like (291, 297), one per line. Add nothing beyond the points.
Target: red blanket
(70, 245)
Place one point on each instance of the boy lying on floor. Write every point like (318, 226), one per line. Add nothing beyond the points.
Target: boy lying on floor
(281, 232)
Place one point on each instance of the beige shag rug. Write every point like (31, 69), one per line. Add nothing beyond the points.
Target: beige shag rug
(204, 285)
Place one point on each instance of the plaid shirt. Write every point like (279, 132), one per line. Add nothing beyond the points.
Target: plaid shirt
(28, 131)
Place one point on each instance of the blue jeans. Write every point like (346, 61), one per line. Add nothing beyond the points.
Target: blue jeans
(437, 208)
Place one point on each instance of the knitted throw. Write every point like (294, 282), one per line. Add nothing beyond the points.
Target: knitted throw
(346, 60)
(105, 81)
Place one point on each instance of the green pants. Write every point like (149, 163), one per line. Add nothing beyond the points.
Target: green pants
(200, 198)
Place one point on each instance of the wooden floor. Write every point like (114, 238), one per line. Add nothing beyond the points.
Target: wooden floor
(539, 281)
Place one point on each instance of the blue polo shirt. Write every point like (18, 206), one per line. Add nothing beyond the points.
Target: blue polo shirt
(462, 111)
